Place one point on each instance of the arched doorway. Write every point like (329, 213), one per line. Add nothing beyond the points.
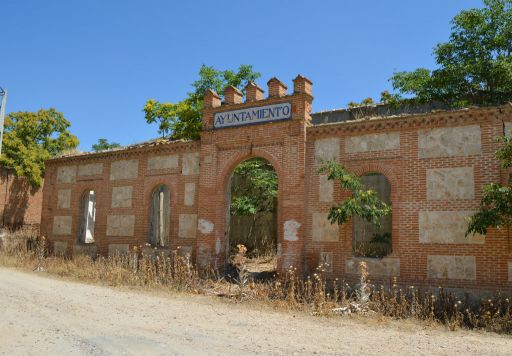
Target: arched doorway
(370, 240)
(252, 215)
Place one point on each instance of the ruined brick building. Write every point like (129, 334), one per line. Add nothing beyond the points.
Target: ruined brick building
(429, 166)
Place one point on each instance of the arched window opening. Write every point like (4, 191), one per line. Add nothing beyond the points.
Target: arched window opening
(87, 217)
(371, 240)
(252, 217)
(160, 216)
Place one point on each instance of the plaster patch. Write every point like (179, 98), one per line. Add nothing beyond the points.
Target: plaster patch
(120, 225)
(163, 162)
(218, 246)
(208, 159)
(63, 198)
(66, 174)
(372, 142)
(190, 164)
(447, 227)
(62, 225)
(449, 142)
(451, 267)
(323, 230)
(187, 226)
(325, 189)
(90, 169)
(60, 248)
(291, 228)
(205, 226)
(121, 249)
(122, 197)
(327, 149)
(127, 169)
(450, 183)
(190, 194)
(381, 267)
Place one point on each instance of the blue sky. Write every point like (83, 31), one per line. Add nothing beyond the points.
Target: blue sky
(99, 61)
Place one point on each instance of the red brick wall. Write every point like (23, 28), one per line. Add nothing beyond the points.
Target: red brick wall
(290, 147)
(20, 204)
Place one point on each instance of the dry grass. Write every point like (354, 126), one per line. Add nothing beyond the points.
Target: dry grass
(313, 294)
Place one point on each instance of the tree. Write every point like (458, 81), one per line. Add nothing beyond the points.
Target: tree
(30, 138)
(363, 202)
(495, 210)
(474, 66)
(182, 120)
(253, 191)
(103, 144)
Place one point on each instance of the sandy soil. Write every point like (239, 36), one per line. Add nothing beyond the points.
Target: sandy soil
(42, 315)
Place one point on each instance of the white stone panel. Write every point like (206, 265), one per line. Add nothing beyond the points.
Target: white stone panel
(122, 197)
(508, 127)
(163, 162)
(450, 142)
(120, 249)
(450, 183)
(446, 227)
(60, 248)
(190, 194)
(120, 225)
(66, 174)
(325, 189)
(327, 149)
(373, 142)
(85, 250)
(190, 164)
(451, 267)
(323, 230)
(127, 169)
(291, 229)
(62, 225)
(377, 267)
(90, 169)
(64, 198)
(187, 226)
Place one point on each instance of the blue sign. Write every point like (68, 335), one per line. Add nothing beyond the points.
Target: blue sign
(254, 115)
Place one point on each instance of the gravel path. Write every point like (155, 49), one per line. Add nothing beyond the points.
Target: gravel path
(40, 315)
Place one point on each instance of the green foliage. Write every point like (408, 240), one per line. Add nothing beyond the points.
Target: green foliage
(364, 203)
(364, 102)
(474, 66)
(182, 120)
(103, 144)
(495, 210)
(30, 138)
(254, 188)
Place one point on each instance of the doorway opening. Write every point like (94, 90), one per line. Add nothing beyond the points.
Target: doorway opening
(87, 217)
(252, 215)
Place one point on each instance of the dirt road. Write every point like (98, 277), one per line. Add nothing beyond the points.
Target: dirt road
(42, 315)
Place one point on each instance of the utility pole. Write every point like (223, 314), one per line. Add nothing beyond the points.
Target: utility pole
(3, 93)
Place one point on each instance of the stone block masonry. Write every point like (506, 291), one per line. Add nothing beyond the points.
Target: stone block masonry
(436, 165)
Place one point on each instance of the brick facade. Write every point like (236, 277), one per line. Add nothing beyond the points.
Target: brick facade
(436, 165)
